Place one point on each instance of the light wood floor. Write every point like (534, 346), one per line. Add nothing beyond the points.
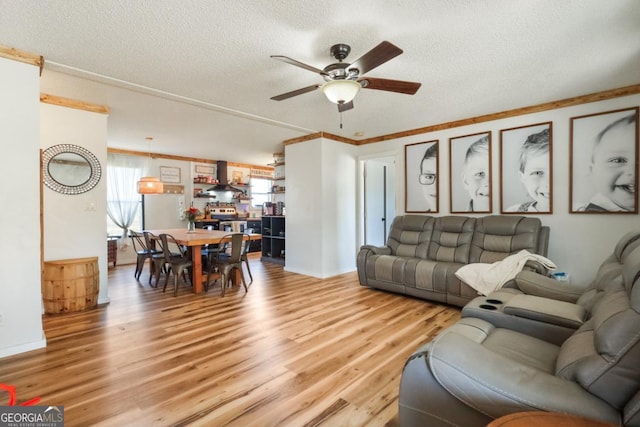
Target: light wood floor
(294, 351)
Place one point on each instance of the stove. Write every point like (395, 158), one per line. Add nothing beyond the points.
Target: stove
(223, 211)
(227, 212)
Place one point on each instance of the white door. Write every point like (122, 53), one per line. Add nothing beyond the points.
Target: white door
(379, 199)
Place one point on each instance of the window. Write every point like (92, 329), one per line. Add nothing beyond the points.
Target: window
(137, 224)
(124, 204)
(260, 191)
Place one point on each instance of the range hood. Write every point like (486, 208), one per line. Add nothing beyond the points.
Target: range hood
(223, 180)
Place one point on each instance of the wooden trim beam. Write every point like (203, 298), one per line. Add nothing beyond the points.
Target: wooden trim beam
(22, 56)
(73, 103)
(246, 165)
(318, 135)
(182, 158)
(568, 102)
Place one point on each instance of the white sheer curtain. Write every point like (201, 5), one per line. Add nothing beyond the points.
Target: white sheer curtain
(123, 174)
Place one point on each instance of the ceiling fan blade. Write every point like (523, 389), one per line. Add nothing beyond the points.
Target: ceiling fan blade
(299, 64)
(345, 106)
(295, 92)
(375, 57)
(398, 86)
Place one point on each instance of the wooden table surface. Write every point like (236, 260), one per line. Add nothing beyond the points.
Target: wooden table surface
(194, 240)
(546, 419)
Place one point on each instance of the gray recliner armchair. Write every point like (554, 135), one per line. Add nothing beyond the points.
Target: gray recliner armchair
(474, 372)
(546, 308)
(530, 283)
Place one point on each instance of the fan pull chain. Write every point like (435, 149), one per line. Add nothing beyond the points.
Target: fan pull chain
(340, 119)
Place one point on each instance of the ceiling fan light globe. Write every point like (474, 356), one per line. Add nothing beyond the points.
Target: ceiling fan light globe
(150, 185)
(341, 91)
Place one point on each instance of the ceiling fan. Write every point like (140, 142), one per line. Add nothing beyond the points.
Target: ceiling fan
(343, 80)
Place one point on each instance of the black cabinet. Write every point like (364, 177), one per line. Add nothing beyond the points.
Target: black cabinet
(202, 224)
(273, 239)
(255, 226)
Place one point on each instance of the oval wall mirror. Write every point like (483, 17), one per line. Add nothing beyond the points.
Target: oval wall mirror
(70, 169)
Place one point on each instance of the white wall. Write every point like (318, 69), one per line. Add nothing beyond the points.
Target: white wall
(162, 210)
(578, 242)
(321, 208)
(20, 292)
(75, 225)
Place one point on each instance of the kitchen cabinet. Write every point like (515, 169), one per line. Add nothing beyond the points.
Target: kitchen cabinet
(273, 239)
(214, 223)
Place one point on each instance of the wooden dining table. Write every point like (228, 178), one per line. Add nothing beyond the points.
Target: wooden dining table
(194, 241)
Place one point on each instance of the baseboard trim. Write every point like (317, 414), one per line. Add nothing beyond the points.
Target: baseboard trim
(23, 348)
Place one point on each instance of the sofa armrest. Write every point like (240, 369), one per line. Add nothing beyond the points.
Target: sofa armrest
(361, 260)
(536, 267)
(546, 310)
(377, 250)
(542, 286)
(495, 386)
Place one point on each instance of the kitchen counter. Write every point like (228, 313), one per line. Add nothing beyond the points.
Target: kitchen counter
(231, 219)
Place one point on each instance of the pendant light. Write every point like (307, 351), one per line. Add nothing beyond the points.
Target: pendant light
(150, 184)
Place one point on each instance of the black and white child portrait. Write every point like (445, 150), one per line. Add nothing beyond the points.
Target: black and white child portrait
(421, 177)
(525, 169)
(470, 169)
(604, 156)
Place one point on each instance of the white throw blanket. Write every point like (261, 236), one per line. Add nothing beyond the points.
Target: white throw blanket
(486, 278)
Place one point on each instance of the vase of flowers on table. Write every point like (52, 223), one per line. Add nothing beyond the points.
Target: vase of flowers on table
(192, 213)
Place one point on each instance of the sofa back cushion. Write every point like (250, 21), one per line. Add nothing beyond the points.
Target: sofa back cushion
(498, 236)
(626, 244)
(410, 235)
(609, 274)
(451, 239)
(602, 356)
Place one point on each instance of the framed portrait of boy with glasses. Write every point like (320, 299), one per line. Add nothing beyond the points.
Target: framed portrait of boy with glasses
(421, 177)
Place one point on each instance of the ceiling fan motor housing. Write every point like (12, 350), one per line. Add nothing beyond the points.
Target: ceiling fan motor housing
(340, 51)
(339, 71)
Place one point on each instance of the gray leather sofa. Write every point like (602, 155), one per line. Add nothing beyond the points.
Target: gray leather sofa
(475, 371)
(423, 253)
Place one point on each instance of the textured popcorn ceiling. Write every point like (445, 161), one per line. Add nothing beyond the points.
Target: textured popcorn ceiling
(196, 75)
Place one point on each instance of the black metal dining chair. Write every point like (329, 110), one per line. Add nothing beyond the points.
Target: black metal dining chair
(143, 252)
(224, 262)
(158, 264)
(209, 247)
(177, 258)
(245, 255)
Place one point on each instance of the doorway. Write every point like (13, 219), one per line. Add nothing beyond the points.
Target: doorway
(379, 199)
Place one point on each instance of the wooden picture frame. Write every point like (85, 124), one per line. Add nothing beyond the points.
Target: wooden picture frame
(205, 170)
(603, 168)
(470, 173)
(421, 182)
(526, 175)
(170, 174)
